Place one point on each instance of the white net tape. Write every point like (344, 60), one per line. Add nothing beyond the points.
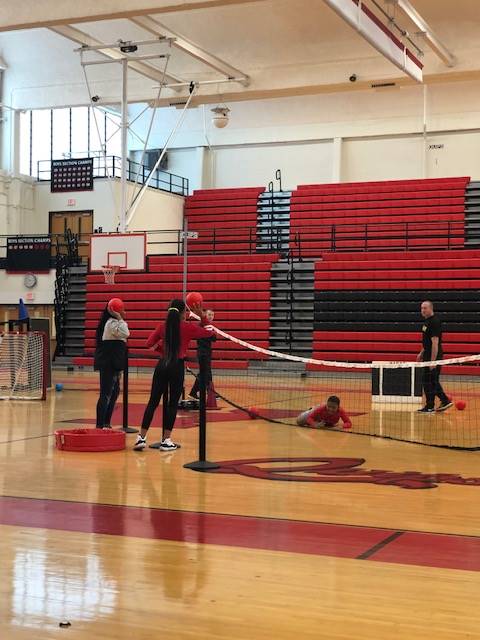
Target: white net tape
(435, 403)
(22, 366)
(390, 364)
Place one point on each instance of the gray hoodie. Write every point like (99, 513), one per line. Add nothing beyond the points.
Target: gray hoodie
(116, 329)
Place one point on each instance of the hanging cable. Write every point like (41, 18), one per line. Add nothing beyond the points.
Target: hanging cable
(154, 111)
(133, 207)
(211, 150)
(102, 146)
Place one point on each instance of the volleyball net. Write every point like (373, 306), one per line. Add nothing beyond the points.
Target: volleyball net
(381, 399)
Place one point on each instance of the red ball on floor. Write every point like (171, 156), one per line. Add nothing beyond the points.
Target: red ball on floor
(460, 405)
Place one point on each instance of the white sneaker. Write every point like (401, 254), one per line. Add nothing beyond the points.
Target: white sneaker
(140, 444)
(168, 445)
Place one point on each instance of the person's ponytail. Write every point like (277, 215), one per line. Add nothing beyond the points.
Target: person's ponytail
(171, 342)
(104, 318)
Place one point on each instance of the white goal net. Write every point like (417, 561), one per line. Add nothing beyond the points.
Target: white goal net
(22, 366)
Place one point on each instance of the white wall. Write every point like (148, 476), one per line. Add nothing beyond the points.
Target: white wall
(187, 163)
(382, 134)
(157, 209)
(377, 158)
(12, 288)
(460, 155)
(382, 159)
(102, 200)
(16, 204)
(256, 165)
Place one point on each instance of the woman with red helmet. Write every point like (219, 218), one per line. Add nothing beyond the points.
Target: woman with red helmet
(110, 357)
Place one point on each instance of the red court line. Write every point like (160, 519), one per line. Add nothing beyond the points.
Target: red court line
(187, 526)
(448, 551)
(342, 541)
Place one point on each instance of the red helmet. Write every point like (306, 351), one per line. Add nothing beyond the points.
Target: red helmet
(116, 305)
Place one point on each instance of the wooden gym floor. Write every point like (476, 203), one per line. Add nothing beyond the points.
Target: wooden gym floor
(367, 538)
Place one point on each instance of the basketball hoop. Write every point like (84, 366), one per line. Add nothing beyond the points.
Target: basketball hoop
(109, 272)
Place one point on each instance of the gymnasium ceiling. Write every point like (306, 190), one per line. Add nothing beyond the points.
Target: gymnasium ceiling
(285, 47)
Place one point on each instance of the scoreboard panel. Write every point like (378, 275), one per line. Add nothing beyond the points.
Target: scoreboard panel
(71, 175)
(26, 253)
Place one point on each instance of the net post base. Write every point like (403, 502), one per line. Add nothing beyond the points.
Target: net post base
(156, 445)
(128, 430)
(201, 465)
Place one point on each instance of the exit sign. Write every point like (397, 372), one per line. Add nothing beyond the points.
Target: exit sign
(71, 202)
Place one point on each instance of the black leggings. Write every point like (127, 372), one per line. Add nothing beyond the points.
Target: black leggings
(166, 379)
(109, 390)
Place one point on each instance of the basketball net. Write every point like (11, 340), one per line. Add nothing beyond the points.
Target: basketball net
(109, 272)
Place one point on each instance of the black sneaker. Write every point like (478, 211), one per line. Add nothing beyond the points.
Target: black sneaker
(444, 407)
(425, 410)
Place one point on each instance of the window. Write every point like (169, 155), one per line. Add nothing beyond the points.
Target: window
(41, 138)
(79, 135)
(53, 134)
(25, 147)
(60, 134)
(114, 136)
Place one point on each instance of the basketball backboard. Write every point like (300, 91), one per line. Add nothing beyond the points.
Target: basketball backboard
(124, 250)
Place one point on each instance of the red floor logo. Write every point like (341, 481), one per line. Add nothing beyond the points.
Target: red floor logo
(337, 470)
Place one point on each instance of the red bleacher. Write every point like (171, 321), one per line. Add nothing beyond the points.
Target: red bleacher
(370, 226)
(416, 270)
(378, 346)
(422, 270)
(237, 287)
(400, 214)
(226, 219)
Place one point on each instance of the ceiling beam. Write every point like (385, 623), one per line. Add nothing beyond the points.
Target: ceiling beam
(390, 83)
(82, 38)
(431, 38)
(370, 27)
(158, 29)
(49, 13)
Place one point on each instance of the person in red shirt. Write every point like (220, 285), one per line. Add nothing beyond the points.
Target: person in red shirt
(171, 339)
(325, 415)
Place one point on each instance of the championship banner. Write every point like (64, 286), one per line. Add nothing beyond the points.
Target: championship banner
(26, 253)
(71, 175)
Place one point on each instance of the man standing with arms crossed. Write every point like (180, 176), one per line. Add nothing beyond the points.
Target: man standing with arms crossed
(431, 351)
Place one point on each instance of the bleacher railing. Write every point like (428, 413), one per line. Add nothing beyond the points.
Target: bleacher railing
(399, 236)
(62, 283)
(303, 240)
(111, 166)
(300, 241)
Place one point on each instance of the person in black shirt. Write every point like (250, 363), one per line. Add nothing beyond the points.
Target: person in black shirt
(431, 351)
(204, 349)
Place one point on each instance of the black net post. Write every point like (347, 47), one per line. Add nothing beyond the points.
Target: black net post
(125, 426)
(202, 464)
